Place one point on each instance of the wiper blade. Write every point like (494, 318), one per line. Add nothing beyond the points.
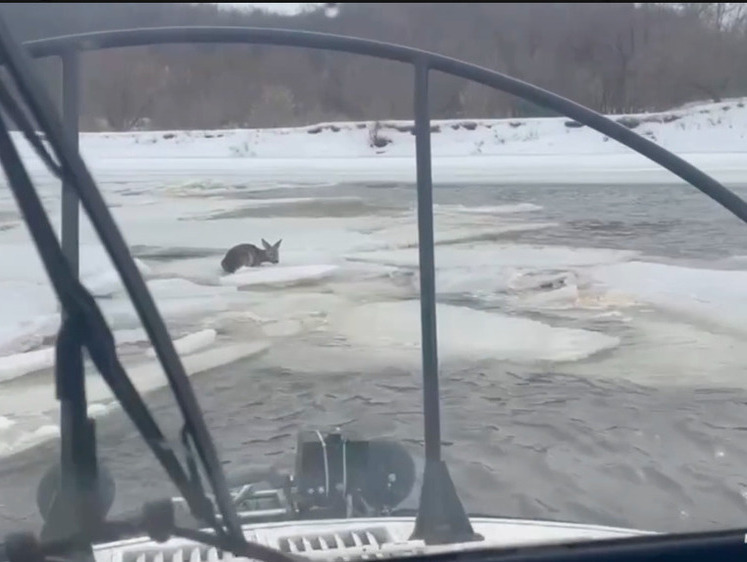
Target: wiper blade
(77, 301)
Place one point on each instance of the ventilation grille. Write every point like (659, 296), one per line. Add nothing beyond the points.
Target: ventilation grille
(175, 554)
(354, 543)
(372, 538)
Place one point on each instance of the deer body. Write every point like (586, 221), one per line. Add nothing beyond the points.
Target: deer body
(249, 255)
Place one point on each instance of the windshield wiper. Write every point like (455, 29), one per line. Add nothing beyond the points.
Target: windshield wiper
(84, 325)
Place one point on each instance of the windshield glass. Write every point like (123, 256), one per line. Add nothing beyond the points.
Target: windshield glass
(590, 303)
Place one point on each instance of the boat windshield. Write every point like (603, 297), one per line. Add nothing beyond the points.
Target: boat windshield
(261, 279)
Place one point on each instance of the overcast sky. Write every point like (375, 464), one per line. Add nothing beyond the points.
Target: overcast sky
(278, 7)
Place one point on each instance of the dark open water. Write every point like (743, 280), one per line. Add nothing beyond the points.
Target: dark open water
(519, 441)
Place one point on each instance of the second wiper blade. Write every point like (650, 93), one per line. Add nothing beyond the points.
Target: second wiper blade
(76, 299)
(78, 302)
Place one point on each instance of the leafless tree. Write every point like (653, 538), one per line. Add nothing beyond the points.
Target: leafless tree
(617, 57)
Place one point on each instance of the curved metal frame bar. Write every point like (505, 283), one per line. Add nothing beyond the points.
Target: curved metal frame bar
(436, 478)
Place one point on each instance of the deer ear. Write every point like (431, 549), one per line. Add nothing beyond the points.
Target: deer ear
(266, 244)
(277, 244)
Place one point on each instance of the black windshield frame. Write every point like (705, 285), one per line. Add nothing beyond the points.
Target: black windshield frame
(68, 48)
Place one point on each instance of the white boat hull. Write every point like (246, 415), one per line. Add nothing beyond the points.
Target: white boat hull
(346, 539)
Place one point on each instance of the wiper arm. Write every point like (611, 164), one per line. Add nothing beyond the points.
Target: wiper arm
(78, 302)
(66, 387)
